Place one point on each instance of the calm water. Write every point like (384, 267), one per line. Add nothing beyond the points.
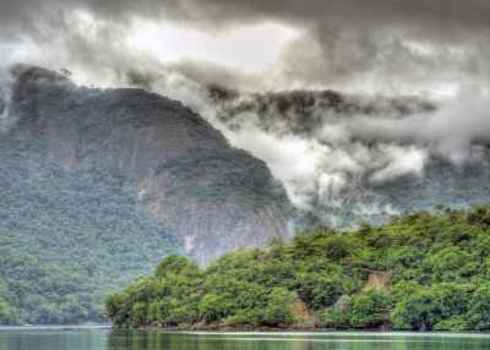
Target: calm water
(102, 339)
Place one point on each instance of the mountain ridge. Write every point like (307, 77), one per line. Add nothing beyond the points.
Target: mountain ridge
(140, 134)
(100, 184)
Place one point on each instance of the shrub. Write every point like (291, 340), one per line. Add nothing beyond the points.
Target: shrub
(214, 307)
(479, 308)
(370, 309)
(278, 310)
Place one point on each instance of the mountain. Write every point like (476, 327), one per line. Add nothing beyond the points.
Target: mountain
(100, 184)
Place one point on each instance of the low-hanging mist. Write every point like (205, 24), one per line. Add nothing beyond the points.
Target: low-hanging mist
(351, 158)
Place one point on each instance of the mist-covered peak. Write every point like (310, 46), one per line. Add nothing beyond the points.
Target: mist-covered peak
(31, 75)
(350, 158)
(305, 111)
(183, 170)
(106, 182)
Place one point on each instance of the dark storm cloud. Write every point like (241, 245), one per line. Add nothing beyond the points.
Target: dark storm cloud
(349, 37)
(450, 20)
(343, 38)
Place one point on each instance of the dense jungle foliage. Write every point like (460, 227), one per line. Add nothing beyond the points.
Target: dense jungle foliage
(68, 239)
(419, 272)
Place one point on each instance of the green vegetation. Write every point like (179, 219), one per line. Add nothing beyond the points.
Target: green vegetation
(68, 239)
(420, 272)
(215, 175)
(7, 313)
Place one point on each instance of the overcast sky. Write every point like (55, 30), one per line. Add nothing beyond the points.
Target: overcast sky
(388, 45)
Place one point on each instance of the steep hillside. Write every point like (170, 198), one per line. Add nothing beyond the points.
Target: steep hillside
(99, 185)
(166, 150)
(67, 239)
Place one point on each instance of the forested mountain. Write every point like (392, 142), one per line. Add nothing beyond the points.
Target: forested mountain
(420, 272)
(99, 185)
(68, 238)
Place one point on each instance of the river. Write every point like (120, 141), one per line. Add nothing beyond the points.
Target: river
(103, 338)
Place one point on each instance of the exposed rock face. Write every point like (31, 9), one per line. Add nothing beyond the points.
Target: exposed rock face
(213, 197)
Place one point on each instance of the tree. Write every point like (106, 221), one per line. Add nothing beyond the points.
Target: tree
(278, 310)
(338, 316)
(176, 265)
(370, 309)
(319, 290)
(7, 315)
(214, 307)
(426, 307)
(478, 315)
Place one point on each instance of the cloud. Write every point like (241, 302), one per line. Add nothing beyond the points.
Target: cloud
(332, 151)
(450, 131)
(345, 43)
(339, 155)
(7, 120)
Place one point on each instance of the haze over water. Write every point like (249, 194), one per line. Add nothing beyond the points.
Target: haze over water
(107, 339)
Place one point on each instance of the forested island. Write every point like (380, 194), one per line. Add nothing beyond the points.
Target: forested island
(423, 271)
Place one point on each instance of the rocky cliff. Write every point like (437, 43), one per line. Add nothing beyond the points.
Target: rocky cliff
(214, 198)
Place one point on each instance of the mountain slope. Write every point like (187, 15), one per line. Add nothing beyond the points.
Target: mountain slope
(165, 149)
(99, 185)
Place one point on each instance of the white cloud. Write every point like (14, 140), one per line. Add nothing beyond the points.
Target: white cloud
(251, 48)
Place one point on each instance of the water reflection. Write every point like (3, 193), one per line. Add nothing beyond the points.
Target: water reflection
(105, 339)
(345, 341)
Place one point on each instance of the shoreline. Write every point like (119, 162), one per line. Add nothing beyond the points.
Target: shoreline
(298, 330)
(254, 331)
(55, 327)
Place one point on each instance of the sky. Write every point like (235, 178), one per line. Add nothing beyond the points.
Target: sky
(418, 46)
(435, 50)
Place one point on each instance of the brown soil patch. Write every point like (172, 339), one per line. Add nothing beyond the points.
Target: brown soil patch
(378, 280)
